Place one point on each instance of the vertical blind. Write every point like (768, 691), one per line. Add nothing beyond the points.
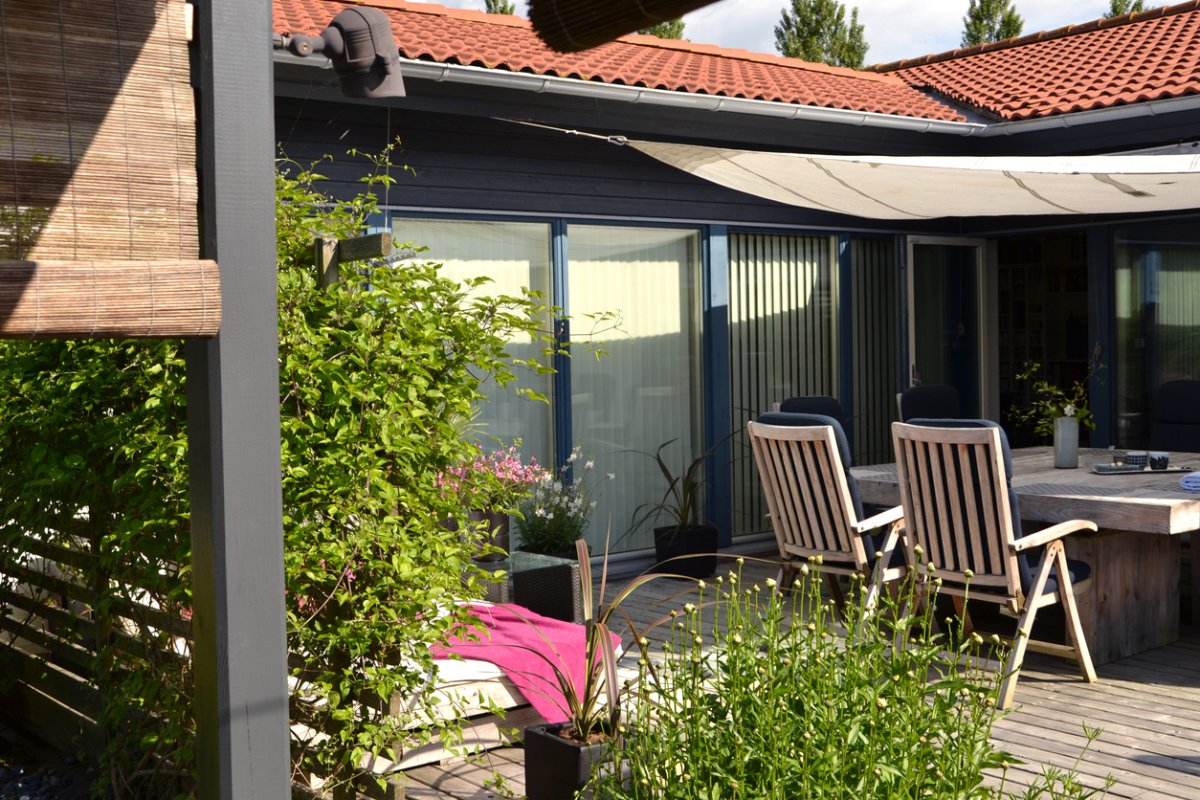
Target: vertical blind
(782, 341)
(876, 347)
(98, 194)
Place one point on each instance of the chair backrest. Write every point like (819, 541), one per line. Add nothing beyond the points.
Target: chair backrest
(802, 462)
(954, 486)
(1175, 417)
(930, 401)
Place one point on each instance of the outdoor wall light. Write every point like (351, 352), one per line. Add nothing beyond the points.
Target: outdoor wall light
(360, 45)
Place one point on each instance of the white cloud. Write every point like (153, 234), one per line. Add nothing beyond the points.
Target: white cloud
(894, 29)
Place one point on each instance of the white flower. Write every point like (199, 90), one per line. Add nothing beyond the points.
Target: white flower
(589, 464)
(611, 476)
(1069, 411)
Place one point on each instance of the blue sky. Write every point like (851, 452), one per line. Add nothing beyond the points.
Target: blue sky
(894, 29)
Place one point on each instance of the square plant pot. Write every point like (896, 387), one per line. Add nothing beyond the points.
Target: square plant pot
(556, 768)
(552, 591)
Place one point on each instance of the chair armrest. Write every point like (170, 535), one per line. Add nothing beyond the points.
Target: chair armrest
(1051, 534)
(894, 514)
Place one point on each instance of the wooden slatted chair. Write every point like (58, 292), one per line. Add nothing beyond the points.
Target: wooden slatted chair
(803, 463)
(959, 508)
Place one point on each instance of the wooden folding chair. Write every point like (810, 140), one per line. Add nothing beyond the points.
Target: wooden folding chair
(959, 508)
(802, 462)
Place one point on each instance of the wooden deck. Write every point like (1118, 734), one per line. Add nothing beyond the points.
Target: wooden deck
(1148, 707)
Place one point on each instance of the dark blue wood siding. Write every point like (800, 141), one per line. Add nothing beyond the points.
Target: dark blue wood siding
(462, 163)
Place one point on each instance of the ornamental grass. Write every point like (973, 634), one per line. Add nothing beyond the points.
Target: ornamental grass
(762, 694)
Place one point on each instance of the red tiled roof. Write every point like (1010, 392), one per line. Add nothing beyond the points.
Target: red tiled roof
(496, 41)
(1141, 57)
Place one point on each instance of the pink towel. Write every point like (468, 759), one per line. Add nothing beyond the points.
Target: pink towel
(528, 647)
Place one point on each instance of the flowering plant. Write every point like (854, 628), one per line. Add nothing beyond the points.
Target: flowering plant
(492, 481)
(1051, 402)
(556, 512)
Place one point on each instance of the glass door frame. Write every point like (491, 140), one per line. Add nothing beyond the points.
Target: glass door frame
(986, 311)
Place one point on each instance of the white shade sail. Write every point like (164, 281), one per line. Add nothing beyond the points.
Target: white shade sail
(898, 187)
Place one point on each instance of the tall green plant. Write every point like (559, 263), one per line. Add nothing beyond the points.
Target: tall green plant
(667, 29)
(93, 461)
(817, 30)
(990, 21)
(763, 696)
(376, 375)
(377, 371)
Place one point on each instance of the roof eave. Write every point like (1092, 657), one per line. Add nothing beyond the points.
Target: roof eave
(549, 84)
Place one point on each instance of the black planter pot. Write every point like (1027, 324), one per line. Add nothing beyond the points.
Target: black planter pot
(697, 541)
(556, 768)
(552, 591)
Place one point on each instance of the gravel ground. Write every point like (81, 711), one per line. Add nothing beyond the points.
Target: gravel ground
(31, 772)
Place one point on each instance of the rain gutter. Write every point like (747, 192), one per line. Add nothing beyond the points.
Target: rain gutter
(547, 84)
(573, 87)
(1074, 119)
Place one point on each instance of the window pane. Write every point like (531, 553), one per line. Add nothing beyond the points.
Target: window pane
(514, 255)
(646, 389)
(1157, 295)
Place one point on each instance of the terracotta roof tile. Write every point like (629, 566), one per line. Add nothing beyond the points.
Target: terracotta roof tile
(1152, 55)
(495, 41)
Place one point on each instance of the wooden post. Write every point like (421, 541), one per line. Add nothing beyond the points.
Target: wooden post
(332, 252)
(238, 621)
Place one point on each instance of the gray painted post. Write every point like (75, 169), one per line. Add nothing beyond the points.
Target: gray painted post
(233, 423)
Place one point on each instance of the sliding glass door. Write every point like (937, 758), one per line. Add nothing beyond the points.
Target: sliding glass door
(945, 319)
(512, 255)
(645, 389)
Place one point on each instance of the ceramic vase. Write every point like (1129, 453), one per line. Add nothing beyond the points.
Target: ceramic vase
(1066, 442)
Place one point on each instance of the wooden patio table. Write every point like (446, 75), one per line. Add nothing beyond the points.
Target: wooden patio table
(1131, 603)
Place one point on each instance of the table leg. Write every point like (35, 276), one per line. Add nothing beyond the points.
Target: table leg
(1132, 602)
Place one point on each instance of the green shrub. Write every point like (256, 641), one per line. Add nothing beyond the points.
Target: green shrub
(376, 374)
(759, 695)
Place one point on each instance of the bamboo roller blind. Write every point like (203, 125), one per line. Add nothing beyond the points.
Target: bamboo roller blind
(572, 25)
(98, 198)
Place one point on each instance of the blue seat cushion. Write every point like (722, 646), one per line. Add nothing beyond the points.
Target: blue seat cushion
(929, 401)
(1175, 417)
(816, 404)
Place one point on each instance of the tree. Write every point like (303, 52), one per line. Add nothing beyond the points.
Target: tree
(499, 7)
(1119, 8)
(990, 21)
(670, 29)
(816, 30)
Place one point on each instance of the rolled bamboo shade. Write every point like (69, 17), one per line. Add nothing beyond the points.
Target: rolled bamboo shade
(98, 198)
(570, 25)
